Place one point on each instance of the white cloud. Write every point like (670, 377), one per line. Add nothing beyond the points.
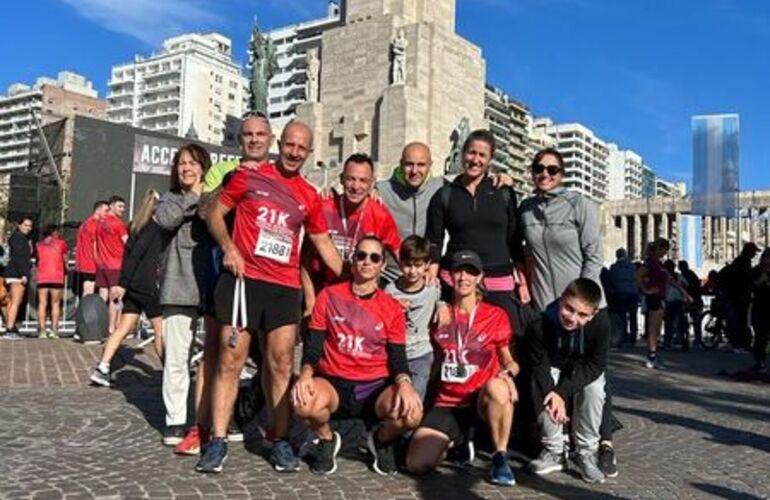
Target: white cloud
(150, 21)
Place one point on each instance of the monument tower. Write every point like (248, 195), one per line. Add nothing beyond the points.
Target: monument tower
(394, 72)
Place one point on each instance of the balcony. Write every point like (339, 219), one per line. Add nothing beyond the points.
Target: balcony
(157, 100)
(157, 113)
(160, 87)
(160, 74)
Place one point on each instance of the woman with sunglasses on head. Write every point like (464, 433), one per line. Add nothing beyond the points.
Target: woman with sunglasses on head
(354, 364)
(475, 378)
(561, 232)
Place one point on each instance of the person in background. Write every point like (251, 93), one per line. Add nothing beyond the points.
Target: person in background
(17, 273)
(51, 268)
(693, 309)
(674, 315)
(5, 257)
(737, 296)
(623, 314)
(760, 311)
(138, 286)
(85, 263)
(111, 236)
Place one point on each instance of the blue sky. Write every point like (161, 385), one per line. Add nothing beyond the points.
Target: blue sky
(632, 70)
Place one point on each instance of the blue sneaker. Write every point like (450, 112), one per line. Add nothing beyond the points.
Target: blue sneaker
(282, 457)
(501, 473)
(215, 456)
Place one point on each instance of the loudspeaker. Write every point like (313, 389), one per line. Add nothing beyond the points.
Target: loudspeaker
(93, 319)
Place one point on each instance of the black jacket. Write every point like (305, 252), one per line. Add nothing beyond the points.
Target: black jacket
(139, 272)
(485, 223)
(20, 264)
(580, 355)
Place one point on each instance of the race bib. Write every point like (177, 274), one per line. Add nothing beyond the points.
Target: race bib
(456, 373)
(344, 245)
(274, 246)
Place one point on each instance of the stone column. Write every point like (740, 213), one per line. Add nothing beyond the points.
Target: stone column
(638, 252)
(624, 230)
(676, 230)
(650, 227)
(664, 230)
(708, 246)
(722, 240)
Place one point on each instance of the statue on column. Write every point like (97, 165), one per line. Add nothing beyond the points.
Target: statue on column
(312, 73)
(398, 50)
(263, 67)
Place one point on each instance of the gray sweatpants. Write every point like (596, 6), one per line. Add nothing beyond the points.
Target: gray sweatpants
(586, 417)
(179, 325)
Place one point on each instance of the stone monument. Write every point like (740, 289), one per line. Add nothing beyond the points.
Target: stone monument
(312, 73)
(394, 72)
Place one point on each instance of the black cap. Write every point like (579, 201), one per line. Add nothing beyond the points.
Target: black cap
(467, 258)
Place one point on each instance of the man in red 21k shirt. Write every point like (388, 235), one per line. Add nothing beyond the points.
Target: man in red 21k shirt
(273, 205)
(349, 217)
(85, 263)
(110, 240)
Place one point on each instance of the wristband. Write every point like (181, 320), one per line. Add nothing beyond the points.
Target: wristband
(403, 377)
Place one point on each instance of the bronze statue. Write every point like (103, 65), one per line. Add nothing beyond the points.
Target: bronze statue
(263, 67)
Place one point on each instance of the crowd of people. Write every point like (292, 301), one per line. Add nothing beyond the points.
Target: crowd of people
(446, 315)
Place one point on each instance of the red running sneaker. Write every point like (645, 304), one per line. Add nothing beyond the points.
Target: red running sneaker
(191, 444)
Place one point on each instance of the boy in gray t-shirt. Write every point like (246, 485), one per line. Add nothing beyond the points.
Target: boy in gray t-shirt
(421, 302)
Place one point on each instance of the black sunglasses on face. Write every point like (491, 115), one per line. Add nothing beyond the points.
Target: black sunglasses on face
(361, 256)
(551, 169)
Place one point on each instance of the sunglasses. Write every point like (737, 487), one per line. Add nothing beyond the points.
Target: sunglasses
(551, 169)
(361, 256)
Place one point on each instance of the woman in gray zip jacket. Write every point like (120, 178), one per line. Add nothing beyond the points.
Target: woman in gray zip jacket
(183, 277)
(562, 243)
(561, 231)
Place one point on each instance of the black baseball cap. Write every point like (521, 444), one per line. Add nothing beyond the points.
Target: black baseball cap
(467, 258)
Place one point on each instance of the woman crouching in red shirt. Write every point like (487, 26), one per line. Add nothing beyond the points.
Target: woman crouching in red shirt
(354, 364)
(475, 378)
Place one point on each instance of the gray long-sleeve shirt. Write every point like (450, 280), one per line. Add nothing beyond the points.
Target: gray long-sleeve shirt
(561, 231)
(185, 264)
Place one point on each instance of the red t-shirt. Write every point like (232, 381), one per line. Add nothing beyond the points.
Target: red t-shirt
(51, 253)
(371, 219)
(271, 212)
(110, 236)
(84, 247)
(357, 332)
(478, 359)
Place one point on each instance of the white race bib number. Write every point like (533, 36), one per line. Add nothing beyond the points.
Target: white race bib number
(274, 246)
(457, 374)
(343, 244)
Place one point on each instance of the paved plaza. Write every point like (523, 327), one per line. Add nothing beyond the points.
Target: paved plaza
(689, 433)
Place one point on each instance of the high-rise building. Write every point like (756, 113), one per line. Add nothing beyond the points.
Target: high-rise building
(586, 157)
(669, 189)
(192, 84)
(625, 173)
(649, 182)
(48, 100)
(508, 120)
(287, 88)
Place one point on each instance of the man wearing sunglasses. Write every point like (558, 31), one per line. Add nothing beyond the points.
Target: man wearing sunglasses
(274, 206)
(354, 365)
(349, 216)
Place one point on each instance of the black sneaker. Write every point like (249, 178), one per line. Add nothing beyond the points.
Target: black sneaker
(234, 432)
(283, 458)
(12, 334)
(173, 435)
(325, 462)
(607, 461)
(384, 458)
(214, 458)
(462, 454)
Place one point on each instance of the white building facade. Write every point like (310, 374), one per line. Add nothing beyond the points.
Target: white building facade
(508, 120)
(287, 88)
(191, 84)
(625, 173)
(586, 157)
(21, 102)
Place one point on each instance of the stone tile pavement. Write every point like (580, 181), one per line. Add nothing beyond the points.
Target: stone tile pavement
(688, 434)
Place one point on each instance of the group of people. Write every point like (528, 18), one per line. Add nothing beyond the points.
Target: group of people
(99, 251)
(423, 339)
(671, 295)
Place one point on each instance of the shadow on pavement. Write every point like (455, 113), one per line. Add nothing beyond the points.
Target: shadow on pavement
(719, 433)
(723, 492)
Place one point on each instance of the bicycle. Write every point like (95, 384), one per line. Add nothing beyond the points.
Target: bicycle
(714, 325)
